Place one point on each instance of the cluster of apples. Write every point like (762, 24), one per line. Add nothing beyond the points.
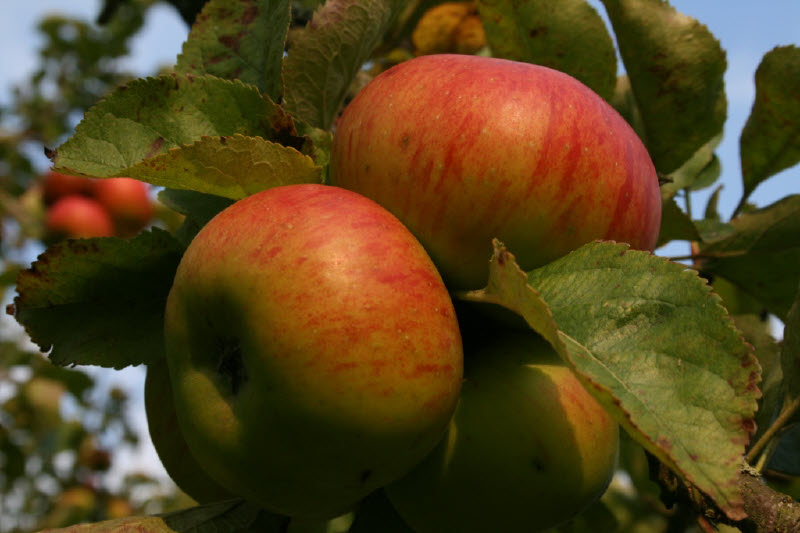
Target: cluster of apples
(79, 207)
(314, 353)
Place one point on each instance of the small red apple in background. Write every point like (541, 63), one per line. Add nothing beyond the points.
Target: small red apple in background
(56, 185)
(127, 201)
(463, 149)
(77, 216)
(313, 350)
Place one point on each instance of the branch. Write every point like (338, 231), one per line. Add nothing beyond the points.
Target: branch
(768, 511)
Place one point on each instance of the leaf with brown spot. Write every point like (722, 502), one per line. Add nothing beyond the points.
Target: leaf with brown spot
(676, 68)
(566, 35)
(328, 53)
(651, 342)
(231, 167)
(153, 115)
(99, 301)
(239, 40)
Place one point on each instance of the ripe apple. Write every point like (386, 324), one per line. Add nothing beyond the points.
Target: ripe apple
(463, 149)
(77, 216)
(56, 185)
(169, 442)
(313, 349)
(527, 449)
(128, 202)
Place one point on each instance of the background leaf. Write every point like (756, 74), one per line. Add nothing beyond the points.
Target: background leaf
(676, 69)
(150, 116)
(762, 255)
(99, 301)
(241, 40)
(566, 35)
(231, 167)
(652, 343)
(770, 140)
(675, 224)
(325, 57)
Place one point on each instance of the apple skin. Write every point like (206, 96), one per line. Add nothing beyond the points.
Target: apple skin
(77, 216)
(313, 349)
(168, 440)
(128, 202)
(464, 149)
(528, 447)
(56, 185)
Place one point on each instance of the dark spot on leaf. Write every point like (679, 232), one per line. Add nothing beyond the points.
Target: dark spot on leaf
(249, 15)
(536, 32)
(404, 141)
(537, 464)
(155, 148)
(365, 475)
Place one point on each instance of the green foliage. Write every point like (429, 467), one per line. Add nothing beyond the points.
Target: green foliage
(762, 254)
(568, 36)
(629, 323)
(676, 69)
(769, 140)
(99, 301)
(242, 40)
(326, 56)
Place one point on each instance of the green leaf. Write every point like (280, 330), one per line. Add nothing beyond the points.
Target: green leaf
(625, 104)
(241, 40)
(790, 350)
(99, 301)
(198, 206)
(150, 116)
(762, 254)
(696, 172)
(676, 225)
(325, 56)
(651, 342)
(770, 140)
(229, 516)
(566, 35)
(231, 167)
(234, 516)
(676, 69)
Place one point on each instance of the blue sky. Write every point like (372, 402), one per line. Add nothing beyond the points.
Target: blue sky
(746, 29)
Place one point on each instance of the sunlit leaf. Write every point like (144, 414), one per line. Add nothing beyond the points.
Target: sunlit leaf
(231, 167)
(150, 116)
(676, 69)
(652, 343)
(241, 40)
(325, 57)
(566, 35)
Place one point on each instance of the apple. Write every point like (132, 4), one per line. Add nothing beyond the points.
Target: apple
(77, 216)
(169, 443)
(464, 149)
(313, 349)
(56, 185)
(528, 447)
(128, 202)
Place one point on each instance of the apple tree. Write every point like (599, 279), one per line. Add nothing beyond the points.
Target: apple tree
(678, 353)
